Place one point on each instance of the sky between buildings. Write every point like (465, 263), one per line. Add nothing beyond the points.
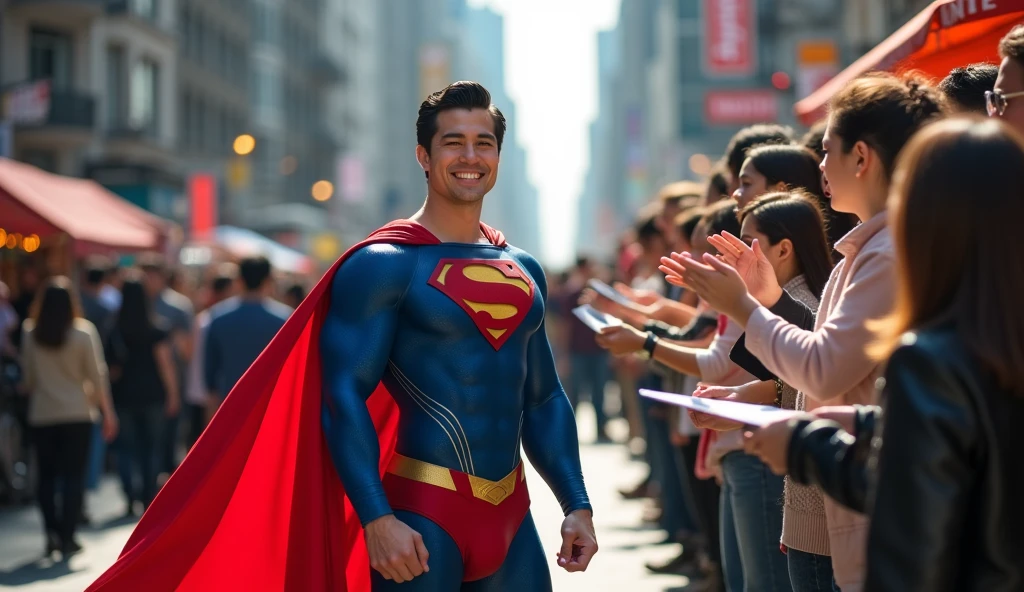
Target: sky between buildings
(551, 73)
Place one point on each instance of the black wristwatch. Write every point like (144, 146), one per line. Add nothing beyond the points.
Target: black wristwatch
(649, 344)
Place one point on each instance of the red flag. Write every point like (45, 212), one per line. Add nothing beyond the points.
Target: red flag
(257, 504)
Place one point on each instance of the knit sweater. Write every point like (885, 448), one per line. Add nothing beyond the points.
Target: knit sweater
(803, 520)
(831, 365)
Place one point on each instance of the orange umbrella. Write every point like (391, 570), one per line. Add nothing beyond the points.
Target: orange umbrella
(947, 34)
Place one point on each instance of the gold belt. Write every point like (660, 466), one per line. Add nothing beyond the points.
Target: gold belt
(493, 492)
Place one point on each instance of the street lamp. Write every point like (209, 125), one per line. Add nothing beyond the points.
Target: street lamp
(323, 190)
(244, 144)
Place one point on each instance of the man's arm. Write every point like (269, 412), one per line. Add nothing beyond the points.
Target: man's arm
(552, 443)
(355, 344)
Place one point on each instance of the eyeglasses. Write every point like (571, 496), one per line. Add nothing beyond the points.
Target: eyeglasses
(996, 101)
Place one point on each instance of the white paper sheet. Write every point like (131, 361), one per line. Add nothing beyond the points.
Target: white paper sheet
(745, 413)
(594, 318)
(609, 292)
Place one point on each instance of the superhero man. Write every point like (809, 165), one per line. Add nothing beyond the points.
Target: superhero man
(375, 444)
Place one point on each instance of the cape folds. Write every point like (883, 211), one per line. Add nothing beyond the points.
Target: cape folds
(257, 504)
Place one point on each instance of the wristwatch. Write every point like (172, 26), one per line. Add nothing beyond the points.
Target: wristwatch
(649, 344)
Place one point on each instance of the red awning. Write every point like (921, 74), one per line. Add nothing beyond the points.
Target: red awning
(943, 36)
(33, 201)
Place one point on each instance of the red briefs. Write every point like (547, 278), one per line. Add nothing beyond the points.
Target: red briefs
(481, 516)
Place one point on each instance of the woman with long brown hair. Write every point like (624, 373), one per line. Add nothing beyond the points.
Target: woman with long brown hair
(67, 382)
(947, 482)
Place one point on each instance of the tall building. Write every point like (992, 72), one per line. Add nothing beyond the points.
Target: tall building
(90, 91)
(350, 32)
(213, 95)
(419, 49)
(512, 204)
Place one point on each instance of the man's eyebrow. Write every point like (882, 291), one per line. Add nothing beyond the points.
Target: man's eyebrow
(461, 136)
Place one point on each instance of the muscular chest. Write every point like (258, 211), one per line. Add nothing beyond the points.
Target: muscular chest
(477, 297)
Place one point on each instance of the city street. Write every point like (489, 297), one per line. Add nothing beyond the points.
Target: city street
(618, 566)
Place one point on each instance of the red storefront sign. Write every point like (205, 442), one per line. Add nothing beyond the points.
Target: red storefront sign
(202, 189)
(740, 107)
(730, 37)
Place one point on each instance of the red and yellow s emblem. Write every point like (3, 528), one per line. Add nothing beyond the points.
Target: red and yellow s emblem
(495, 293)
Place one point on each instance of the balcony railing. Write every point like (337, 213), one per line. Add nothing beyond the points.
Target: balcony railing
(33, 106)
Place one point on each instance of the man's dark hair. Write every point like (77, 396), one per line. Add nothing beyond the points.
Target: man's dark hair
(152, 263)
(96, 270)
(754, 135)
(965, 87)
(221, 284)
(458, 95)
(647, 228)
(254, 272)
(1012, 45)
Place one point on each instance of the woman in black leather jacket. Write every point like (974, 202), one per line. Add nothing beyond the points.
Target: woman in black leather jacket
(937, 466)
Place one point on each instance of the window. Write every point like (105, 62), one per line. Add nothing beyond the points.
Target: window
(115, 87)
(146, 9)
(44, 159)
(143, 106)
(50, 57)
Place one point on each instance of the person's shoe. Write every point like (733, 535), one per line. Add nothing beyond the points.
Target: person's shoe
(711, 581)
(641, 491)
(685, 563)
(69, 548)
(52, 543)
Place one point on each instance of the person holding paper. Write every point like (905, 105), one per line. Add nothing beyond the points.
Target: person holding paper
(751, 518)
(870, 121)
(942, 482)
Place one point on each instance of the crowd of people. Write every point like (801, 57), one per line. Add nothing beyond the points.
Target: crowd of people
(862, 274)
(121, 358)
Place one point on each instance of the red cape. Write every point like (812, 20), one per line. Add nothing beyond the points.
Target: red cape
(257, 504)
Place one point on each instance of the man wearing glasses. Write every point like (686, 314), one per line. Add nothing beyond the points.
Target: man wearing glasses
(1006, 100)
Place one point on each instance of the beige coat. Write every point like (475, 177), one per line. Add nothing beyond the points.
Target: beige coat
(830, 365)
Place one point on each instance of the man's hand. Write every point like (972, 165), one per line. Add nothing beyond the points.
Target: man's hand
(579, 543)
(752, 265)
(621, 339)
(396, 550)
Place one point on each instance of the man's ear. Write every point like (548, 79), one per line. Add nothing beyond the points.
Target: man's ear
(424, 159)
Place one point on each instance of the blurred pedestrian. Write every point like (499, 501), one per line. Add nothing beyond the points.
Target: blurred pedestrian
(294, 295)
(97, 312)
(66, 377)
(177, 312)
(8, 323)
(145, 388)
(223, 286)
(241, 327)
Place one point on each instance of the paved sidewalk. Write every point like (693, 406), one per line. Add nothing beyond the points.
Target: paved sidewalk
(618, 566)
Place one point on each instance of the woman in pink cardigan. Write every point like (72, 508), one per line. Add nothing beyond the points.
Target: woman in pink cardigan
(869, 122)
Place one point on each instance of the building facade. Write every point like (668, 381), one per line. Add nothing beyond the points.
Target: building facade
(89, 90)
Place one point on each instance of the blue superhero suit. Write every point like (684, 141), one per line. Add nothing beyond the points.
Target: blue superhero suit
(456, 333)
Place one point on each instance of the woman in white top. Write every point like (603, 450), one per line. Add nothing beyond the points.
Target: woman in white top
(66, 378)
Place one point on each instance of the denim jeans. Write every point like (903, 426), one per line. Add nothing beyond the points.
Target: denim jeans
(752, 526)
(810, 572)
(97, 454)
(661, 454)
(590, 372)
(139, 447)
